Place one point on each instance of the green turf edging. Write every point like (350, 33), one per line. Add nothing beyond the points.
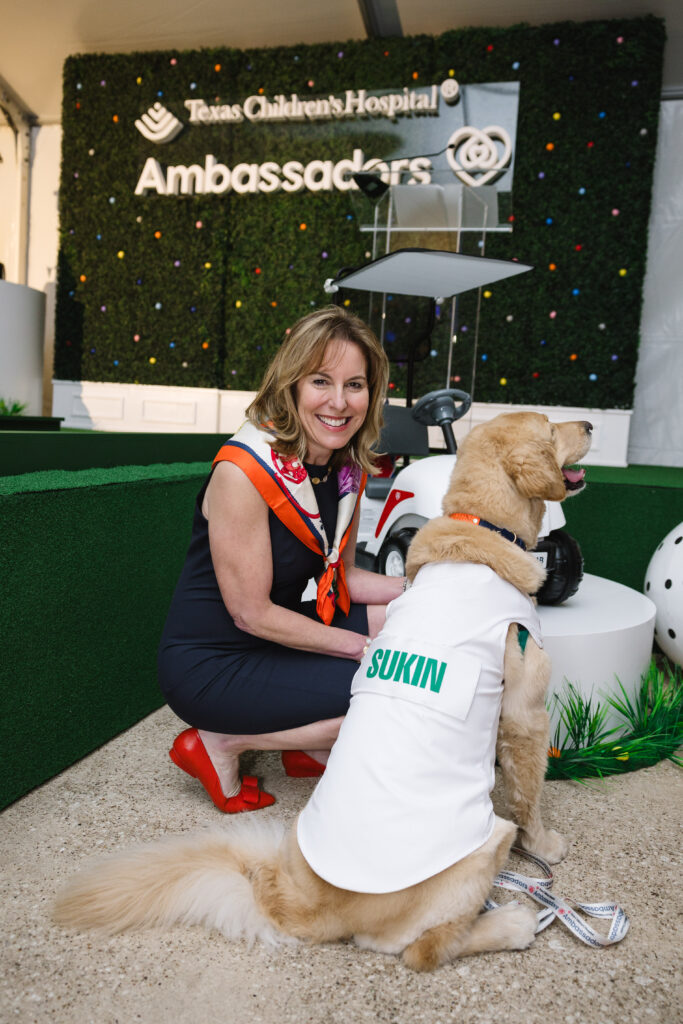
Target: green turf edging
(66, 480)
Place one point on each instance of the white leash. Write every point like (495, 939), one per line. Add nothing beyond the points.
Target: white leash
(561, 908)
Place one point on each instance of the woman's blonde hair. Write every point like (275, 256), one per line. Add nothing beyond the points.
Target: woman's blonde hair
(303, 352)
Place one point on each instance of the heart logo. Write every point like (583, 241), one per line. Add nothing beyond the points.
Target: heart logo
(471, 150)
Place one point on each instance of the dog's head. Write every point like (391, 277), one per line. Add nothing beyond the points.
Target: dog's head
(511, 465)
(539, 456)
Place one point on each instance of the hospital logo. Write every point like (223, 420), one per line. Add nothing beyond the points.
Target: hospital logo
(482, 151)
(158, 124)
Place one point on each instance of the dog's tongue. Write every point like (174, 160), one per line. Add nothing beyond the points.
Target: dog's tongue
(573, 475)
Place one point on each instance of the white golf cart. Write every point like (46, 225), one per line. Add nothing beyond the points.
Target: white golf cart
(396, 505)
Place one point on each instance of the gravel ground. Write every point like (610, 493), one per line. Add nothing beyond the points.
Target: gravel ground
(625, 837)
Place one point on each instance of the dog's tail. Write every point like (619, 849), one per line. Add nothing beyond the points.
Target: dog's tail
(200, 879)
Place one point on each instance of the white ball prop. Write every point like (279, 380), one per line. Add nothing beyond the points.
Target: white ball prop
(664, 586)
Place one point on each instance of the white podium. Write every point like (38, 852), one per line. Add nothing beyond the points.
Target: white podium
(602, 634)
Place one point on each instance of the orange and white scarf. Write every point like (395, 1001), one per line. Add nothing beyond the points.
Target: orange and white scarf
(284, 485)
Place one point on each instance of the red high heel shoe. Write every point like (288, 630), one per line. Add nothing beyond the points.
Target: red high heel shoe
(299, 765)
(189, 753)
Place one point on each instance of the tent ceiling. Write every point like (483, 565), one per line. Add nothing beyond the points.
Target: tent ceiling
(35, 37)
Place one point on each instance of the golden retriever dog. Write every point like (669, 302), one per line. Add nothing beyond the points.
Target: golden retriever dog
(400, 843)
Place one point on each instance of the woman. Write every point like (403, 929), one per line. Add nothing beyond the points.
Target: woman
(242, 659)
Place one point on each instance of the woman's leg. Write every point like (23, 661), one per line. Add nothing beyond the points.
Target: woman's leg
(270, 675)
(224, 750)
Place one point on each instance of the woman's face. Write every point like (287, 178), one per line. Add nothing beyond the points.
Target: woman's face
(333, 401)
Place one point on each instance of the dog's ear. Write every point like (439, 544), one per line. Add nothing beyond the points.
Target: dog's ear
(533, 468)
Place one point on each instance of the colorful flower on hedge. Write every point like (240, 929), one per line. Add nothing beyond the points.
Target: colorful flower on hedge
(152, 360)
(157, 234)
(623, 272)
(205, 344)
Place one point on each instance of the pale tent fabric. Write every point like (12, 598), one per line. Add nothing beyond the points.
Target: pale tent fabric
(656, 436)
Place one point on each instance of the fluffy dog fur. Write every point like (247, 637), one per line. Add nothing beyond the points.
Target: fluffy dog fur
(252, 880)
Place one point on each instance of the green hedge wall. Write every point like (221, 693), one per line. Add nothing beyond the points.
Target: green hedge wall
(146, 295)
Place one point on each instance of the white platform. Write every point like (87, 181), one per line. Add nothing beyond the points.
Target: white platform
(602, 634)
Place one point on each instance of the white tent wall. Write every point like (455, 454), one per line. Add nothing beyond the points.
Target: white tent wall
(9, 226)
(43, 235)
(656, 436)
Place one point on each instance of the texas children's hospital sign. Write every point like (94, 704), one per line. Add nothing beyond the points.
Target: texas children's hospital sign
(440, 133)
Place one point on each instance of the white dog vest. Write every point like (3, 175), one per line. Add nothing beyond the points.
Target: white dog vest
(406, 792)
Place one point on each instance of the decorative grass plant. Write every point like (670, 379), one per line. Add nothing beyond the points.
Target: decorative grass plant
(652, 728)
(11, 408)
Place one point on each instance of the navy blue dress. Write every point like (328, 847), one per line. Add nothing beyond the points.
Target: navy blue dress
(218, 678)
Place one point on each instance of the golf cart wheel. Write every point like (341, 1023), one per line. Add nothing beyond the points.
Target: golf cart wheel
(392, 557)
(564, 564)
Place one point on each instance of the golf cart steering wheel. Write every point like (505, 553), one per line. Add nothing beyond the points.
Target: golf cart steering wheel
(438, 407)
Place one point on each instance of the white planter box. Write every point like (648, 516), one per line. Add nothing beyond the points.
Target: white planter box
(141, 408)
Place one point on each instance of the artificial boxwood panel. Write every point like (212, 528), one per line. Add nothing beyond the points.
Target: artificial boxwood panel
(198, 290)
(89, 562)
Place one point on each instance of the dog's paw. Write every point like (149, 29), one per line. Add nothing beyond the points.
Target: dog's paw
(517, 926)
(425, 954)
(546, 843)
